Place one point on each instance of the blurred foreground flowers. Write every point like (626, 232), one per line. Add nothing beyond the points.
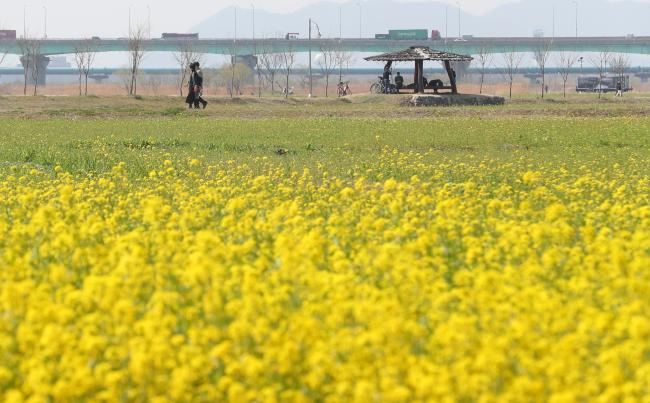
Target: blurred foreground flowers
(477, 281)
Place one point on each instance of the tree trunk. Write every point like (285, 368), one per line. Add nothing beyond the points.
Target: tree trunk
(286, 92)
(480, 91)
(232, 81)
(327, 85)
(510, 88)
(86, 90)
(182, 81)
(80, 84)
(543, 85)
(452, 79)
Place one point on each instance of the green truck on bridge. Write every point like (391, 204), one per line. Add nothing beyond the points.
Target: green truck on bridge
(409, 34)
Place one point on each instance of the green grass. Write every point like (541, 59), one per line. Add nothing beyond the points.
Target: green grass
(95, 142)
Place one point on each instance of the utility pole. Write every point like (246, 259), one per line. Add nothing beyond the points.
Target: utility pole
(339, 55)
(311, 82)
(149, 21)
(233, 58)
(553, 21)
(459, 10)
(446, 23)
(576, 4)
(44, 22)
(253, 8)
(340, 22)
(581, 59)
(130, 6)
(311, 78)
(360, 20)
(24, 22)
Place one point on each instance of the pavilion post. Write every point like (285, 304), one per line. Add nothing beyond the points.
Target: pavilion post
(415, 78)
(420, 77)
(452, 77)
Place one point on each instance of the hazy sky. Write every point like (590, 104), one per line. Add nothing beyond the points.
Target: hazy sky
(109, 18)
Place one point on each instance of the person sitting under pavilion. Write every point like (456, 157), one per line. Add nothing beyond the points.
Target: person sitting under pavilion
(399, 81)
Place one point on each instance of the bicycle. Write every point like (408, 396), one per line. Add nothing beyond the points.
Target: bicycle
(380, 88)
(343, 89)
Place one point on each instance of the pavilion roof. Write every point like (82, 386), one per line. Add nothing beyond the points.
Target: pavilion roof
(419, 53)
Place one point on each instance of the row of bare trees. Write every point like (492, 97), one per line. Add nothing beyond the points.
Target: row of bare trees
(271, 66)
(511, 60)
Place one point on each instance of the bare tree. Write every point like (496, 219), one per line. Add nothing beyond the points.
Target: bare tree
(343, 60)
(328, 62)
(565, 62)
(601, 61)
(511, 60)
(257, 70)
(243, 75)
(288, 61)
(31, 50)
(186, 54)
(270, 62)
(84, 57)
(154, 83)
(484, 57)
(124, 76)
(620, 65)
(233, 69)
(137, 51)
(260, 81)
(541, 56)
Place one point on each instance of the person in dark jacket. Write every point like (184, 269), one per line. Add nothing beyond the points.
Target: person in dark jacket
(198, 87)
(399, 81)
(388, 71)
(191, 99)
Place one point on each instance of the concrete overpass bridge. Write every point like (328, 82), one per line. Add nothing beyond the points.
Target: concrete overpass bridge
(631, 45)
(243, 47)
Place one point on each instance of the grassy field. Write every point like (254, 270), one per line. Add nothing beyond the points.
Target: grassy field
(94, 134)
(324, 251)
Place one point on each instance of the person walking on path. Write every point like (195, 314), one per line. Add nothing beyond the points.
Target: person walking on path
(191, 96)
(198, 86)
(619, 89)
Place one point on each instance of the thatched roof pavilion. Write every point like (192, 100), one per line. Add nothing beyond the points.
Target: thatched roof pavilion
(419, 55)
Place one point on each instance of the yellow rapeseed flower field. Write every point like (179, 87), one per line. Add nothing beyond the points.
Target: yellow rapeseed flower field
(479, 281)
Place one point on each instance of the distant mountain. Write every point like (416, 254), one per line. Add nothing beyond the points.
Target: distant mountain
(595, 18)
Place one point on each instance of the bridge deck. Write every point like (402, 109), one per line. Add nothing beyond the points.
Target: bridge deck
(633, 45)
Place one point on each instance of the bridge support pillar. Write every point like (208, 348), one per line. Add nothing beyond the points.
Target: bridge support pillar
(248, 60)
(36, 68)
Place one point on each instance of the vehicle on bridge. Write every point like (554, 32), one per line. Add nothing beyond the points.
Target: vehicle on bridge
(8, 34)
(608, 83)
(291, 35)
(169, 35)
(409, 34)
